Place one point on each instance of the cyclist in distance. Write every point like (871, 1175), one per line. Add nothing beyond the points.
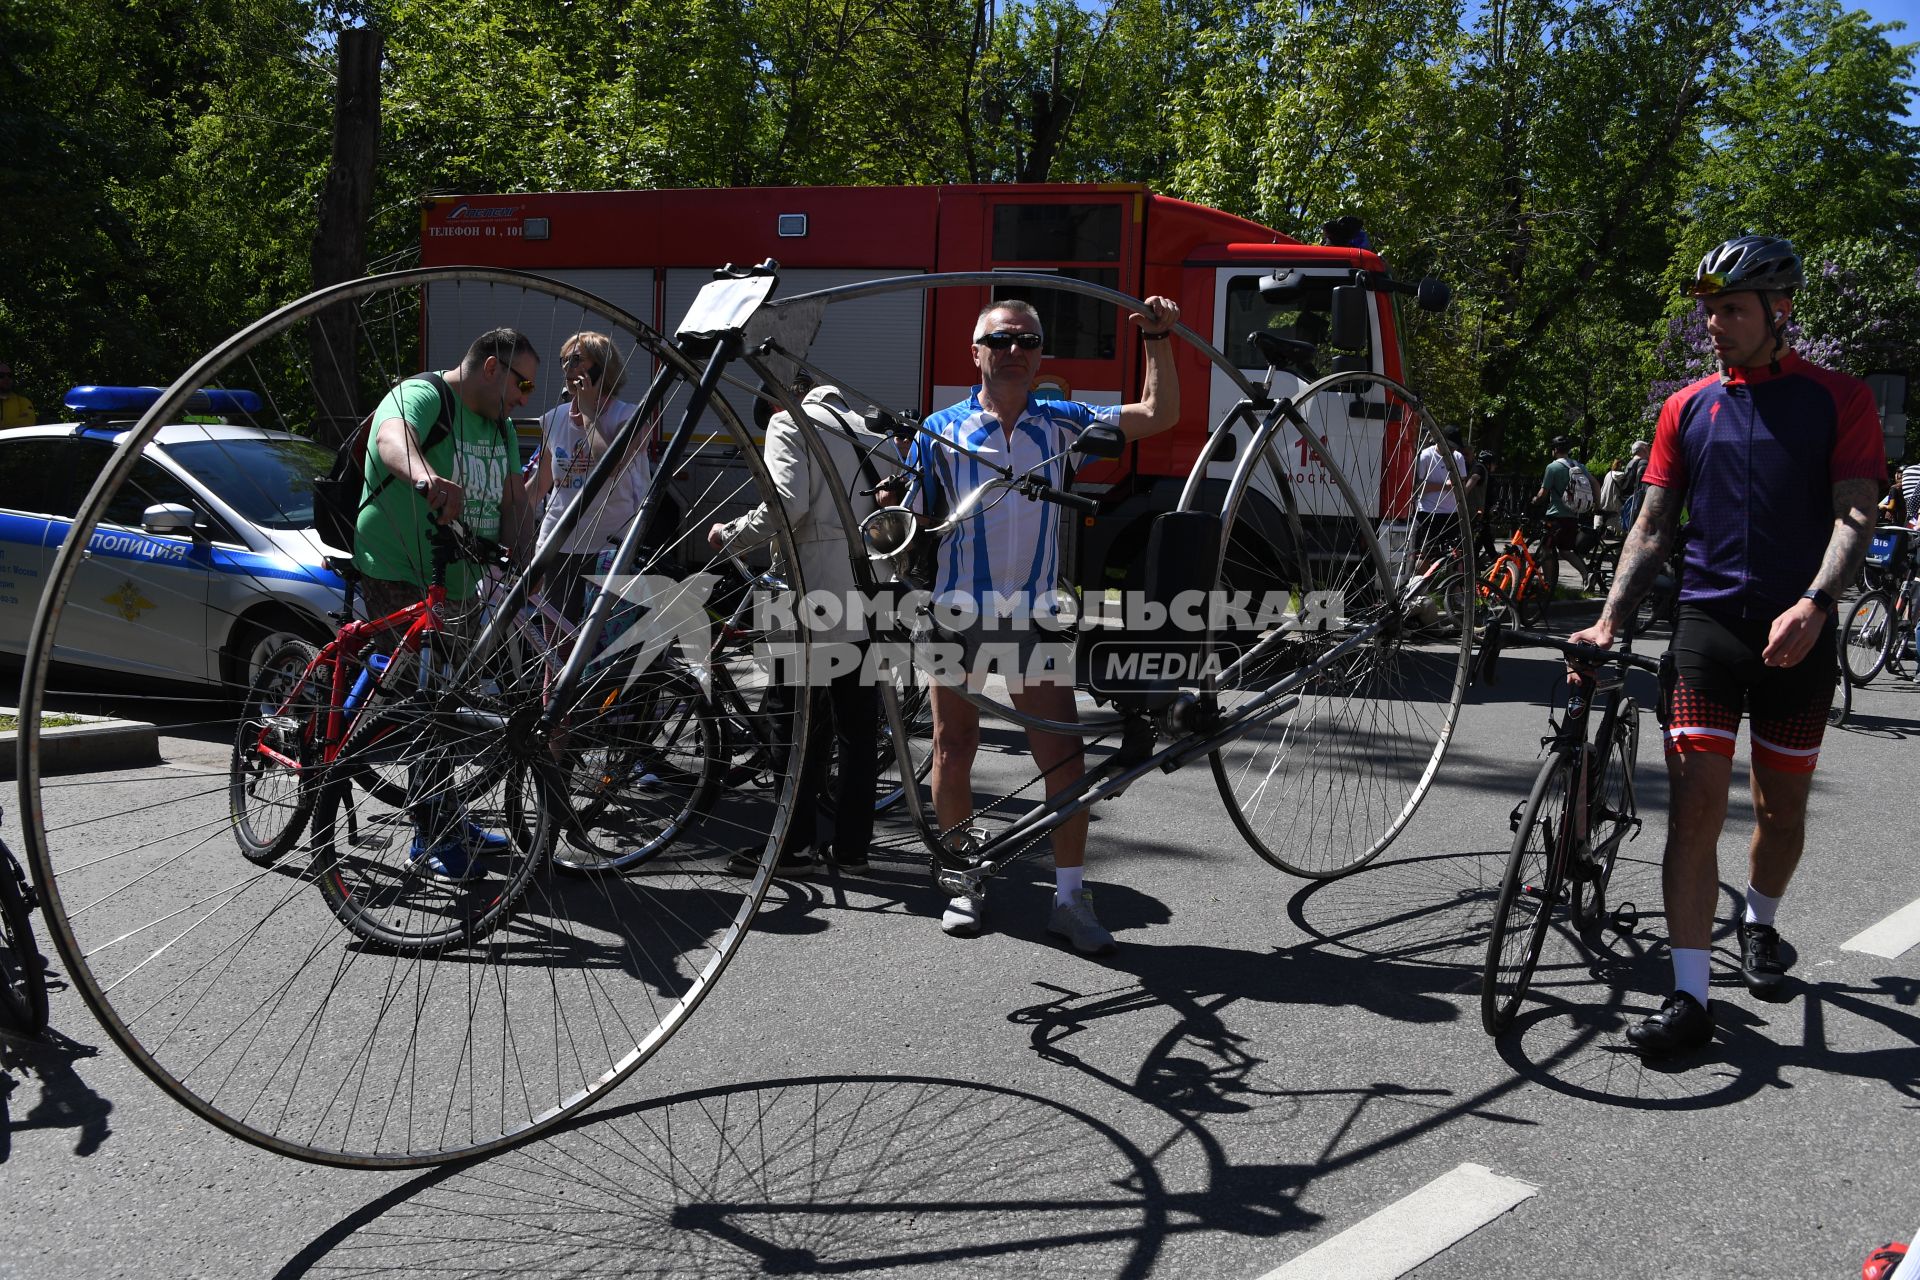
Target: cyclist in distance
(462, 448)
(1563, 519)
(1778, 462)
(999, 572)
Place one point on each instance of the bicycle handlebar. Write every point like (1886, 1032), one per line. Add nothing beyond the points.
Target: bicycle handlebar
(1031, 487)
(1498, 635)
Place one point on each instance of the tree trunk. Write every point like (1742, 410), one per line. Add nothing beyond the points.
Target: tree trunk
(340, 239)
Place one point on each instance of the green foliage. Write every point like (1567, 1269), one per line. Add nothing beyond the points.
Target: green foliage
(1560, 162)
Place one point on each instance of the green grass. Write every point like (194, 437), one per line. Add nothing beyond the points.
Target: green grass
(10, 722)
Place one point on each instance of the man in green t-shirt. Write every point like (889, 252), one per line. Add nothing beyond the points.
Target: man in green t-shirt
(470, 472)
(1563, 520)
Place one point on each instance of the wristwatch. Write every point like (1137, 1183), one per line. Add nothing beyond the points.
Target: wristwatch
(1821, 600)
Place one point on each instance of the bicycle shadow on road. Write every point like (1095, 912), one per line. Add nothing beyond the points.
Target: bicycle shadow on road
(66, 1101)
(819, 1175)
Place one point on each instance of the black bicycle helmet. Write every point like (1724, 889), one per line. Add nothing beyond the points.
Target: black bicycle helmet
(1757, 264)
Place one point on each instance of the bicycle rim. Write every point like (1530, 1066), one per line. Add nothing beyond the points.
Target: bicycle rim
(1529, 893)
(281, 716)
(642, 766)
(437, 1028)
(1323, 778)
(1867, 639)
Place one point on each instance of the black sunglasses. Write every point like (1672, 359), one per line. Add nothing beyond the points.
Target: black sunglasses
(593, 370)
(1002, 340)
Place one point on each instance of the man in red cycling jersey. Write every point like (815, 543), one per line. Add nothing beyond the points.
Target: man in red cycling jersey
(1777, 462)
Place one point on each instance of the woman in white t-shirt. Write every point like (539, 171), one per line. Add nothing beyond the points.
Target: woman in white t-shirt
(573, 437)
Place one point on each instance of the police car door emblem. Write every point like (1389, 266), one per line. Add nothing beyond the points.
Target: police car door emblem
(128, 602)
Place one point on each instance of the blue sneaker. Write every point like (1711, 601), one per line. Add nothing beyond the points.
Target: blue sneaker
(486, 843)
(450, 859)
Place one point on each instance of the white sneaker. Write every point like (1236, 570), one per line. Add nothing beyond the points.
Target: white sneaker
(965, 915)
(1074, 920)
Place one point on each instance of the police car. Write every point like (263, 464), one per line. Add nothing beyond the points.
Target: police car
(203, 563)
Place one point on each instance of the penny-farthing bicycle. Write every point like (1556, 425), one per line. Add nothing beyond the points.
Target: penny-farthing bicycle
(235, 986)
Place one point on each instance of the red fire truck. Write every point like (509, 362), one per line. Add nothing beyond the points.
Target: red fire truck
(650, 251)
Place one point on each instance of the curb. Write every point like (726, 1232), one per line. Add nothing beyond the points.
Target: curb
(97, 743)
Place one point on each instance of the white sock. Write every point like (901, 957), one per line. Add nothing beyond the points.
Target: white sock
(1690, 970)
(1761, 908)
(1066, 883)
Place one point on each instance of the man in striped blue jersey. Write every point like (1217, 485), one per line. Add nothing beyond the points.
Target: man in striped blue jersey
(1001, 567)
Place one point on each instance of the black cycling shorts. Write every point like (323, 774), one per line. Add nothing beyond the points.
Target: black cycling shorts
(1713, 674)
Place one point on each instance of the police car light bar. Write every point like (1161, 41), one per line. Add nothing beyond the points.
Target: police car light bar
(131, 402)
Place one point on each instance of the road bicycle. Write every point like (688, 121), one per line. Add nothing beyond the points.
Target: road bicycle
(1878, 625)
(1516, 578)
(1568, 832)
(472, 1018)
(23, 972)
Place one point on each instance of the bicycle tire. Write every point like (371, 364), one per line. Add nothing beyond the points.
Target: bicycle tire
(368, 832)
(1841, 705)
(1531, 889)
(645, 763)
(1321, 780)
(1534, 600)
(1868, 635)
(269, 800)
(1614, 810)
(1471, 603)
(417, 1039)
(23, 971)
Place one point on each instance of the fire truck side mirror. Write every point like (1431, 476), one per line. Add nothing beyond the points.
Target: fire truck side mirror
(1100, 441)
(1433, 294)
(1351, 328)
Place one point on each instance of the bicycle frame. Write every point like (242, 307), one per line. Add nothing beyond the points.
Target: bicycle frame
(1592, 673)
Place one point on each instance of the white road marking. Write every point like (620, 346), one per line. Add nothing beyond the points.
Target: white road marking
(1891, 936)
(1409, 1231)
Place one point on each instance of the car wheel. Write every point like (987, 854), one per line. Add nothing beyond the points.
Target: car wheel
(254, 641)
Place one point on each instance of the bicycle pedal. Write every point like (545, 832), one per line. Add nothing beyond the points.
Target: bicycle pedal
(1513, 819)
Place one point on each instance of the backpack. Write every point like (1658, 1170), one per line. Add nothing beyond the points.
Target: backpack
(340, 495)
(1579, 496)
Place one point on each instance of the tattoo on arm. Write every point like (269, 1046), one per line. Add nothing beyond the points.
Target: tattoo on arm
(1644, 554)
(1854, 502)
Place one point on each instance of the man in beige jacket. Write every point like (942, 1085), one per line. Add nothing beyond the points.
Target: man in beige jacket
(849, 702)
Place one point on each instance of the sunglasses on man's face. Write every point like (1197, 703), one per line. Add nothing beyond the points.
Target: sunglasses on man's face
(1002, 340)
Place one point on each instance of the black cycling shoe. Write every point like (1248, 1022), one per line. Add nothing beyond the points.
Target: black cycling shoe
(1760, 962)
(1680, 1025)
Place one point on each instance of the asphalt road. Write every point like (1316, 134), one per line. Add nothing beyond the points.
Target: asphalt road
(1266, 1064)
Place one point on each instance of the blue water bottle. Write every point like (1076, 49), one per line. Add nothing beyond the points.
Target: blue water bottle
(376, 667)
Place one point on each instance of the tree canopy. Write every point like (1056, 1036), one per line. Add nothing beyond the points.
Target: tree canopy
(1562, 163)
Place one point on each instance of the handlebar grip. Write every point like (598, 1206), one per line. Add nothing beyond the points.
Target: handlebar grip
(1076, 501)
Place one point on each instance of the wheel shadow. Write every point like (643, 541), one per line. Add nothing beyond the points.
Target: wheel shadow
(827, 1175)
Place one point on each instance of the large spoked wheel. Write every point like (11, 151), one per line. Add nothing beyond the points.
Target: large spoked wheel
(1614, 815)
(1349, 686)
(23, 973)
(642, 768)
(1868, 635)
(275, 752)
(1532, 891)
(349, 1001)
